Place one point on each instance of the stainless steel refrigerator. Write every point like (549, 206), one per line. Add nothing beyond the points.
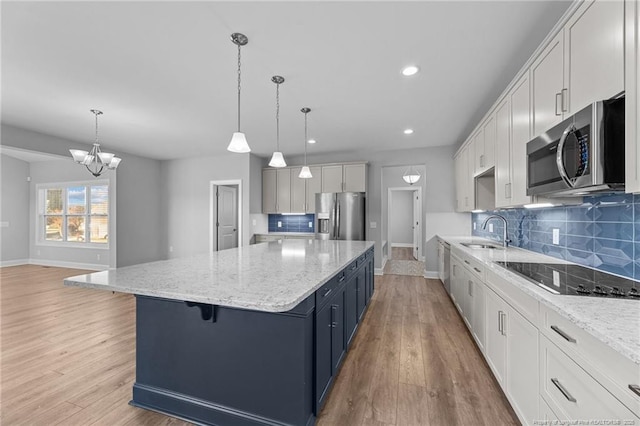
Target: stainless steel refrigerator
(340, 216)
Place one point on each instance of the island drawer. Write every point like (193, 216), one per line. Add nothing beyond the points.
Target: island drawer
(352, 268)
(326, 292)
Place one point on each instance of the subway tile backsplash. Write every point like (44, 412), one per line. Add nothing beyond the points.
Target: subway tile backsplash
(602, 233)
(292, 223)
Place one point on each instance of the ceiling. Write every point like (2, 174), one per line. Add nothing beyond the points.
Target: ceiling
(164, 73)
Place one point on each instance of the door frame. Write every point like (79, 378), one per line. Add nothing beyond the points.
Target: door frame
(420, 233)
(212, 213)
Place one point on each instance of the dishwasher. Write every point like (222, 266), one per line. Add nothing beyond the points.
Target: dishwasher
(444, 254)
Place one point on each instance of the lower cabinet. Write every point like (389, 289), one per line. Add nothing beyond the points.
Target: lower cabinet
(351, 307)
(361, 292)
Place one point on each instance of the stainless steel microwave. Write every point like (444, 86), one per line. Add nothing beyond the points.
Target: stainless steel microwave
(583, 154)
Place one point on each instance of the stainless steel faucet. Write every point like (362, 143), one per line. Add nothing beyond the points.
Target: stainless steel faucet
(505, 239)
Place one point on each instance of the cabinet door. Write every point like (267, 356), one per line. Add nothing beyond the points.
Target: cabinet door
(547, 83)
(632, 100)
(475, 153)
(283, 190)
(495, 343)
(298, 192)
(470, 183)
(488, 154)
(351, 307)
(361, 277)
(460, 179)
(467, 299)
(503, 154)
(314, 186)
(324, 364)
(457, 278)
(269, 191)
(331, 178)
(355, 177)
(338, 342)
(370, 279)
(522, 365)
(520, 135)
(478, 313)
(594, 53)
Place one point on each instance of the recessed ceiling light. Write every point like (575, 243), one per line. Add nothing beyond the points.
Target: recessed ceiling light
(408, 131)
(311, 141)
(410, 70)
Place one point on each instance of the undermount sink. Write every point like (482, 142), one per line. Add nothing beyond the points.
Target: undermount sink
(480, 246)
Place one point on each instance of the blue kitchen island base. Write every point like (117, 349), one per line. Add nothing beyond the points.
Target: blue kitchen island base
(217, 365)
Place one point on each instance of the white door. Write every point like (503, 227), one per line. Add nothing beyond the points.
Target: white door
(227, 217)
(416, 225)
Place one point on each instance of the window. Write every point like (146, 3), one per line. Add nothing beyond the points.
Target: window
(74, 213)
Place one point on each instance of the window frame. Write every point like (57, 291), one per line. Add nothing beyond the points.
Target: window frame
(41, 214)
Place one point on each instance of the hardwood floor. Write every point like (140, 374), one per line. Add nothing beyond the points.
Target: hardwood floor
(402, 253)
(68, 358)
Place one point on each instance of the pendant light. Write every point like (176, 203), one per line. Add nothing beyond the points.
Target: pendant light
(95, 160)
(277, 160)
(411, 176)
(305, 173)
(238, 140)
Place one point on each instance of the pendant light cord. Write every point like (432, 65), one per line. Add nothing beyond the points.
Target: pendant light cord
(278, 117)
(96, 114)
(305, 138)
(239, 88)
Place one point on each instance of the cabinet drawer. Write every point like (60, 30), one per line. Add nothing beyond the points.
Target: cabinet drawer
(474, 266)
(522, 302)
(613, 370)
(351, 268)
(326, 292)
(369, 253)
(361, 260)
(572, 393)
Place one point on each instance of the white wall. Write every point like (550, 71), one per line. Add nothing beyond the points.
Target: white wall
(140, 234)
(14, 211)
(186, 198)
(60, 171)
(401, 218)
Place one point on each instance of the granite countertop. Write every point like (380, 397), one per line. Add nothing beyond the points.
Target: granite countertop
(613, 321)
(272, 277)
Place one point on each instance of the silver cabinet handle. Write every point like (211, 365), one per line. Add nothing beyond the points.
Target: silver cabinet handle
(565, 96)
(506, 192)
(500, 321)
(477, 270)
(326, 293)
(564, 335)
(563, 390)
(333, 319)
(467, 262)
(558, 94)
(470, 285)
(635, 389)
(502, 331)
(482, 160)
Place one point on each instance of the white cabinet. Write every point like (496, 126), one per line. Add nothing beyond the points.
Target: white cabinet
(632, 96)
(503, 154)
(269, 191)
(298, 192)
(465, 189)
(478, 302)
(355, 177)
(457, 282)
(484, 147)
(283, 190)
(520, 100)
(332, 178)
(314, 186)
(547, 86)
(594, 53)
(495, 342)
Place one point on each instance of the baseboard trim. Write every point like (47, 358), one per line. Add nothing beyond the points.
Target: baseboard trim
(403, 245)
(378, 271)
(73, 265)
(431, 275)
(15, 262)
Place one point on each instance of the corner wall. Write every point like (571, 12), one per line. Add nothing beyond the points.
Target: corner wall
(14, 211)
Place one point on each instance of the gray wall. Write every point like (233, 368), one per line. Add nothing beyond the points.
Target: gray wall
(60, 171)
(186, 199)
(438, 193)
(401, 219)
(139, 220)
(14, 209)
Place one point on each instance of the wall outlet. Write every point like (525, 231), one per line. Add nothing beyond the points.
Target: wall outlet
(310, 224)
(556, 236)
(556, 278)
(491, 227)
(170, 249)
(254, 222)
(279, 224)
(373, 225)
(474, 226)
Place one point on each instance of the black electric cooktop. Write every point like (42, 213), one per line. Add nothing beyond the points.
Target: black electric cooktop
(575, 280)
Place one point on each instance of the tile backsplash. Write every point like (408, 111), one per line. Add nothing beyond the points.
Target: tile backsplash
(602, 233)
(291, 223)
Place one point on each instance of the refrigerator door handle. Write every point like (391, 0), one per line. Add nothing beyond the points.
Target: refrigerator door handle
(338, 221)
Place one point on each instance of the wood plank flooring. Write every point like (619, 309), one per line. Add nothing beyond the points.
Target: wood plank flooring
(68, 358)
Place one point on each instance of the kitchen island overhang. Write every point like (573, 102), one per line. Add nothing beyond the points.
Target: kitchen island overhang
(257, 339)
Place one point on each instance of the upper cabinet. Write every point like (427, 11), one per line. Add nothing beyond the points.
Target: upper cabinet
(632, 100)
(465, 192)
(584, 63)
(483, 147)
(284, 192)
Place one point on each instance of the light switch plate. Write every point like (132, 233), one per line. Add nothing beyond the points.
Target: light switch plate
(556, 278)
(474, 226)
(556, 236)
(373, 225)
(491, 227)
(279, 224)
(310, 224)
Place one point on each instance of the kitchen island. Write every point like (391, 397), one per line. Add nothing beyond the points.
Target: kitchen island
(245, 336)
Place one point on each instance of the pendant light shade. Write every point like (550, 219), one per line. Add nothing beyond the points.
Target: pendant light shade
(411, 176)
(305, 173)
(95, 160)
(277, 160)
(238, 142)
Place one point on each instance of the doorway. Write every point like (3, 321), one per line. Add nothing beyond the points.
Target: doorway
(225, 215)
(404, 229)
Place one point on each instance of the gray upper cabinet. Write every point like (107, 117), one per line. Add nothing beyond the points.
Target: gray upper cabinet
(269, 191)
(314, 186)
(355, 178)
(283, 191)
(298, 192)
(332, 178)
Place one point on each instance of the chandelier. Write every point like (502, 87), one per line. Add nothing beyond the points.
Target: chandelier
(411, 176)
(95, 160)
